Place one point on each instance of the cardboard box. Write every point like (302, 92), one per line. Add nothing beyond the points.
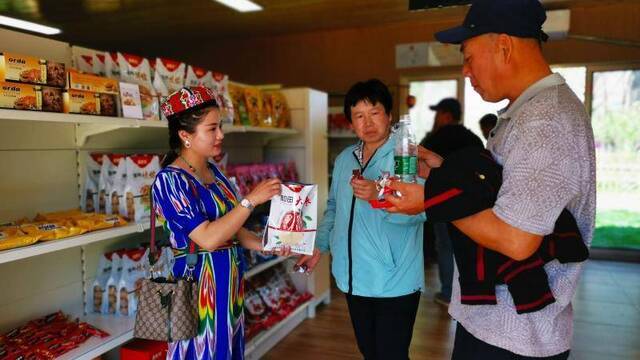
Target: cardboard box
(81, 102)
(88, 82)
(143, 350)
(52, 99)
(31, 70)
(20, 96)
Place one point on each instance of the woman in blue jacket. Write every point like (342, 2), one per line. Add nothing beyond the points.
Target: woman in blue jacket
(376, 256)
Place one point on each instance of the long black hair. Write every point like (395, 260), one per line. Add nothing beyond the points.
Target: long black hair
(188, 121)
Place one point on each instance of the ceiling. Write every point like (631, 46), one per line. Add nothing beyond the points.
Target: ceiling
(110, 24)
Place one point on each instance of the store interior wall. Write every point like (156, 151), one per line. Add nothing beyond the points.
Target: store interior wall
(333, 60)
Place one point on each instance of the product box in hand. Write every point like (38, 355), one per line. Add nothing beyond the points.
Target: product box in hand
(293, 219)
(31, 70)
(20, 96)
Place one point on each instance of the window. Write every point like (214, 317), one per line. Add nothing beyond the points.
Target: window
(428, 93)
(616, 127)
(576, 78)
(475, 108)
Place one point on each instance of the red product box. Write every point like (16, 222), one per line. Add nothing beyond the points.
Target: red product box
(144, 350)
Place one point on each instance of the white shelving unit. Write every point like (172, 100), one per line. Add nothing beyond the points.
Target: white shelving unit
(42, 156)
(264, 266)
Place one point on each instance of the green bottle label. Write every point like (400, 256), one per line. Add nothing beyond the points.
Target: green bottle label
(406, 165)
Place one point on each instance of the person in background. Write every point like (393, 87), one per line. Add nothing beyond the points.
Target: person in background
(447, 136)
(544, 142)
(198, 204)
(487, 123)
(377, 258)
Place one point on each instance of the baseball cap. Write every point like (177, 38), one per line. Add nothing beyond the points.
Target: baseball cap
(449, 105)
(521, 18)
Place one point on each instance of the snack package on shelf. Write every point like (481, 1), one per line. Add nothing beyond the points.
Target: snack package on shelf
(278, 108)
(163, 267)
(96, 294)
(48, 337)
(89, 192)
(197, 76)
(221, 86)
(94, 83)
(141, 171)
(108, 173)
(240, 115)
(99, 65)
(135, 266)
(20, 96)
(137, 70)
(31, 70)
(115, 194)
(52, 230)
(111, 65)
(81, 102)
(169, 76)
(110, 297)
(83, 58)
(253, 102)
(257, 314)
(11, 237)
(292, 219)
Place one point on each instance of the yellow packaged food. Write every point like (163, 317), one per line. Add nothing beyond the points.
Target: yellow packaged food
(20, 96)
(23, 68)
(280, 113)
(81, 102)
(59, 215)
(12, 237)
(253, 101)
(240, 116)
(53, 230)
(93, 83)
(94, 222)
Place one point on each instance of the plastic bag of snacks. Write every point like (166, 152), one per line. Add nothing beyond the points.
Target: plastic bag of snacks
(96, 294)
(221, 86)
(169, 76)
(110, 297)
(292, 219)
(108, 172)
(12, 237)
(253, 101)
(111, 65)
(137, 70)
(52, 230)
(240, 115)
(279, 110)
(115, 193)
(257, 313)
(89, 194)
(141, 171)
(197, 76)
(135, 266)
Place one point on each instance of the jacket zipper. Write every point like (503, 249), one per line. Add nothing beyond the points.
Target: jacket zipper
(349, 237)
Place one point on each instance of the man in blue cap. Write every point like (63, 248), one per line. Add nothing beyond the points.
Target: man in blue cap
(544, 142)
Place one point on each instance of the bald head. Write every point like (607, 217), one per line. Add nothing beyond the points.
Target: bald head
(501, 66)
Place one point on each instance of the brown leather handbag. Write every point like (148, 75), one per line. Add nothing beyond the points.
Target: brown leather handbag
(168, 309)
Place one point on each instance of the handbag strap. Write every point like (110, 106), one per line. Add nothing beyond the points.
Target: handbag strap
(192, 256)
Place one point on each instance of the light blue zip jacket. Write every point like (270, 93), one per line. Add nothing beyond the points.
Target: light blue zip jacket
(386, 257)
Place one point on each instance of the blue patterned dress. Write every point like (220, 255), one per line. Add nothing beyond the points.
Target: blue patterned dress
(183, 203)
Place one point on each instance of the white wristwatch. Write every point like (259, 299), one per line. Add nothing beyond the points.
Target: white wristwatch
(247, 204)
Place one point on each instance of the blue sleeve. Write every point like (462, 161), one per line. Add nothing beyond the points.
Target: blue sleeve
(323, 234)
(176, 202)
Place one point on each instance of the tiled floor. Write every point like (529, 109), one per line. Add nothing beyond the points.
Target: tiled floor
(606, 308)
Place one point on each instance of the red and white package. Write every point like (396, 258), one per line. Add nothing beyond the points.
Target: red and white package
(293, 219)
(111, 65)
(169, 76)
(141, 171)
(89, 193)
(199, 77)
(221, 86)
(137, 70)
(99, 63)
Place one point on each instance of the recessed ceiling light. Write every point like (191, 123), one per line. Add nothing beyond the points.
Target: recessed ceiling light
(241, 5)
(27, 25)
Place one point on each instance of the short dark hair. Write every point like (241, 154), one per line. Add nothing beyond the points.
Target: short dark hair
(488, 120)
(372, 91)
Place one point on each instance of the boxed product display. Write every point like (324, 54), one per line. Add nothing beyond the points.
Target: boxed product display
(20, 96)
(89, 82)
(81, 102)
(292, 219)
(52, 99)
(31, 70)
(141, 171)
(131, 102)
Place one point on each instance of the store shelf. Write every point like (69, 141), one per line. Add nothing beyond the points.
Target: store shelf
(264, 341)
(120, 329)
(264, 266)
(341, 135)
(46, 247)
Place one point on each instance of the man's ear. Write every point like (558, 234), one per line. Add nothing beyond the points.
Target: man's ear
(505, 46)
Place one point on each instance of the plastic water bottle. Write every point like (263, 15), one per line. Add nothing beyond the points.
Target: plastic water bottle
(406, 151)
